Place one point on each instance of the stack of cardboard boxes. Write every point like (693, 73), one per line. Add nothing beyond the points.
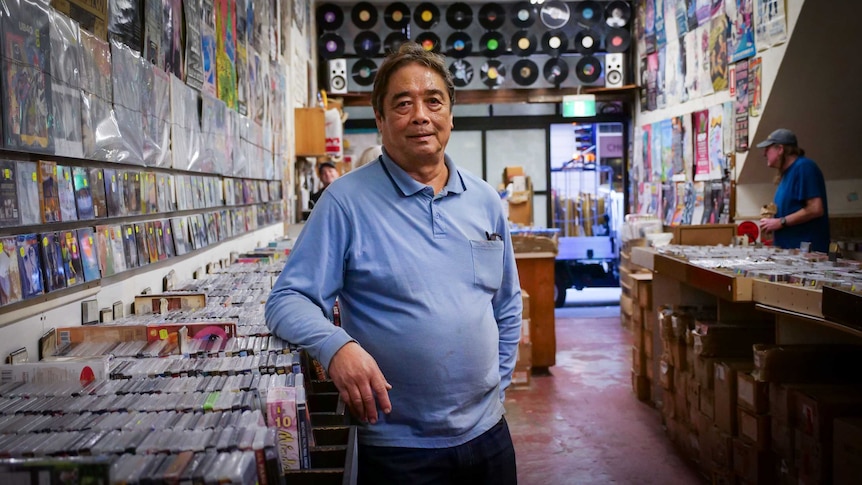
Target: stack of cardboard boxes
(521, 198)
(524, 362)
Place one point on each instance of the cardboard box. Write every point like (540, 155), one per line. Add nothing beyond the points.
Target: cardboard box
(724, 385)
(847, 450)
(782, 439)
(755, 428)
(715, 339)
(813, 459)
(752, 465)
(156, 303)
(638, 361)
(525, 303)
(666, 373)
(752, 394)
(641, 387)
(512, 171)
(58, 369)
(707, 403)
(521, 207)
(703, 235)
(815, 409)
(704, 371)
(807, 363)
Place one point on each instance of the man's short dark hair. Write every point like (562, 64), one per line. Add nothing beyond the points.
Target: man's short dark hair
(323, 165)
(409, 52)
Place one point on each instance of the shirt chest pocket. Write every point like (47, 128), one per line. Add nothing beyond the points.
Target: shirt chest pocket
(487, 264)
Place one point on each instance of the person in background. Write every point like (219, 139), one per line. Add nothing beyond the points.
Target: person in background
(369, 155)
(418, 254)
(327, 173)
(802, 210)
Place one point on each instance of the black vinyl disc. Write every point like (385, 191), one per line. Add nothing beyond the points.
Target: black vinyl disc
(493, 73)
(364, 15)
(617, 40)
(329, 17)
(523, 15)
(429, 41)
(459, 45)
(586, 42)
(363, 72)
(588, 12)
(492, 44)
(396, 16)
(331, 46)
(525, 72)
(554, 42)
(588, 69)
(462, 73)
(618, 13)
(554, 14)
(426, 15)
(459, 16)
(555, 71)
(393, 41)
(366, 44)
(492, 16)
(524, 43)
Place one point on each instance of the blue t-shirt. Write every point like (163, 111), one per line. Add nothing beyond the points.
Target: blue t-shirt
(420, 287)
(803, 180)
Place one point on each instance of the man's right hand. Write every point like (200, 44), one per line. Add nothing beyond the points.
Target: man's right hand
(360, 383)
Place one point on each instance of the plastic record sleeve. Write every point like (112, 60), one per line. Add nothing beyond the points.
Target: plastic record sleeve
(554, 15)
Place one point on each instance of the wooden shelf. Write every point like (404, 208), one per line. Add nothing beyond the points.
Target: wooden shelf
(503, 96)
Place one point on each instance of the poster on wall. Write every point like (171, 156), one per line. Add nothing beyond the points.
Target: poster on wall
(718, 52)
(700, 120)
(770, 23)
(741, 15)
(741, 106)
(755, 86)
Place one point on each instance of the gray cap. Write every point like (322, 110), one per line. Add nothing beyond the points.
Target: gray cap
(781, 136)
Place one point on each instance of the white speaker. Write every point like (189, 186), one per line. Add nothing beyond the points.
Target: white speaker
(614, 74)
(337, 76)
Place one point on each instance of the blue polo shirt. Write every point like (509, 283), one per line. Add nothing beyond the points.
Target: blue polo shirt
(803, 180)
(420, 288)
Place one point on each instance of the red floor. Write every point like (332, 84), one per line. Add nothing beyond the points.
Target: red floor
(582, 424)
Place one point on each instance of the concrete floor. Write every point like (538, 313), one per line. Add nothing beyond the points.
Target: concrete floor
(582, 423)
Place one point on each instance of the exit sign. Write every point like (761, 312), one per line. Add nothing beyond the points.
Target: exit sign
(579, 106)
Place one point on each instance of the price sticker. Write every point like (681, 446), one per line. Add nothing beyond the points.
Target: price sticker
(163, 334)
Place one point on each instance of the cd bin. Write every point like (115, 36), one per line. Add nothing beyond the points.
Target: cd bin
(334, 456)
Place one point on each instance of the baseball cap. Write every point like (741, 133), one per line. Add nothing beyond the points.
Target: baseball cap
(781, 136)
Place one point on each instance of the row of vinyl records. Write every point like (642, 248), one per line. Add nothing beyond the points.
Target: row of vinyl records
(33, 264)
(67, 92)
(45, 192)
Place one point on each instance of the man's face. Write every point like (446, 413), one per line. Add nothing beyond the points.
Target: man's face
(773, 154)
(328, 175)
(417, 117)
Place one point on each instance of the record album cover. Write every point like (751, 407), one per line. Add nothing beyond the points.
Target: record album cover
(127, 74)
(126, 23)
(116, 233)
(30, 266)
(150, 191)
(26, 69)
(29, 206)
(89, 256)
(141, 244)
(49, 195)
(153, 33)
(130, 249)
(66, 193)
(97, 189)
(225, 13)
(180, 231)
(194, 60)
(53, 271)
(9, 215)
(71, 258)
(66, 85)
(113, 192)
(83, 193)
(160, 240)
(104, 251)
(131, 192)
(167, 237)
(172, 28)
(152, 243)
(208, 46)
(10, 276)
(101, 135)
(164, 193)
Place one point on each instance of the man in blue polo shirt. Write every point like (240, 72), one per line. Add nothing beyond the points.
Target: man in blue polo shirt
(419, 255)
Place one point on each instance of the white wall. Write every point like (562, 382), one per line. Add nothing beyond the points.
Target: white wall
(23, 327)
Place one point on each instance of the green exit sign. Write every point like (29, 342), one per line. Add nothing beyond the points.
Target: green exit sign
(579, 106)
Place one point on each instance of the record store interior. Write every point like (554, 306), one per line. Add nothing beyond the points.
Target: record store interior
(660, 167)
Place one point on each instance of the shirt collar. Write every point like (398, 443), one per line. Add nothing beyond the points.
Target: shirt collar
(410, 186)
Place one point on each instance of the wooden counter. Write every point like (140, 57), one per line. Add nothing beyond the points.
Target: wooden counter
(536, 271)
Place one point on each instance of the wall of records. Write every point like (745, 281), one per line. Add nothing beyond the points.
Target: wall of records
(487, 46)
(112, 159)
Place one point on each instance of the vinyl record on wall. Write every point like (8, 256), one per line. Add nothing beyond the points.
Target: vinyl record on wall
(459, 16)
(331, 46)
(462, 73)
(586, 42)
(429, 41)
(396, 16)
(363, 72)
(588, 69)
(555, 71)
(426, 15)
(493, 73)
(459, 45)
(554, 42)
(588, 12)
(617, 40)
(525, 72)
(393, 41)
(492, 44)
(492, 16)
(618, 14)
(554, 14)
(524, 43)
(523, 15)
(329, 17)
(366, 44)
(364, 15)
